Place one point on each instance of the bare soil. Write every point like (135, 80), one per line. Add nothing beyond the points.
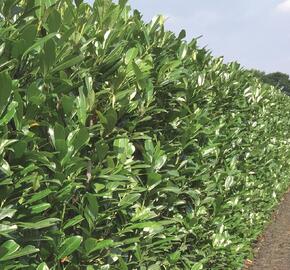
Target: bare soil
(272, 251)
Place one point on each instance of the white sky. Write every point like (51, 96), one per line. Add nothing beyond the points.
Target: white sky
(255, 33)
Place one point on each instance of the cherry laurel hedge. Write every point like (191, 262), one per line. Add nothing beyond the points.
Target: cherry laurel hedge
(122, 146)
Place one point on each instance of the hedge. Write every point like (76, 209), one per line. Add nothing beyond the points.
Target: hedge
(122, 146)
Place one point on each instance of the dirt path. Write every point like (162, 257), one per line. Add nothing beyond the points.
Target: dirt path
(272, 251)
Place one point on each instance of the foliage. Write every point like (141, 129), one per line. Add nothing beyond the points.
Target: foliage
(124, 147)
(277, 79)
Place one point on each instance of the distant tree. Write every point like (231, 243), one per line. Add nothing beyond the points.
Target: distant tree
(277, 79)
(258, 73)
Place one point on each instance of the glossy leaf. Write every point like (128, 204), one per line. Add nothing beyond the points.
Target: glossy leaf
(69, 245)
(5, 89)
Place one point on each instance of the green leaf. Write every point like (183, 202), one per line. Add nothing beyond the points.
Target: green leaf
(42, 266)
(2, 47)
(4, 229)
(182, 34)
(69, 245)
(4, 144)
(69, 63)
(155, 266)
(129, 199)
(41, 8)
(197, 266)
(54, 21)
(58, 137)
(124, 149)
(159, 163)
(5, 90)
(18, 48)
(143, 214)
(122, 264)
(75, 220)
(101, 150)
(39, 208)
(28, 250)
(7, 248)
(48, 57)
(67, 104)
(7, 212)
(11, 111)
(140, 76)
(19, 148)
(229, 182)
(29, 34)
(183, 51)
(92, 244)
(153, 179)
(34, 95)
(131, 55)
(174, 257)
(109, 120)
(39, 224)
(39, 43)
(156, 22)
(91, 95)
(49, 3)
(82, 107)
(59, 132)
(79, 138)
(38, 196)
(148, 226)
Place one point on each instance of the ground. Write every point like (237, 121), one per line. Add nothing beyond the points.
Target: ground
(272, 251)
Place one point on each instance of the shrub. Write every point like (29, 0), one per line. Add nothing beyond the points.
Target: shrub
(124, 147)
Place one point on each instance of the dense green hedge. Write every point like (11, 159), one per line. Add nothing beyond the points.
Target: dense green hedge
(124, 147)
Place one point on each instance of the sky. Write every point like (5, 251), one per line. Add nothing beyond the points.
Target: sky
(253, 32)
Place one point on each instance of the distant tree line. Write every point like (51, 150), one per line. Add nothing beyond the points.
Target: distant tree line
(277, 79)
